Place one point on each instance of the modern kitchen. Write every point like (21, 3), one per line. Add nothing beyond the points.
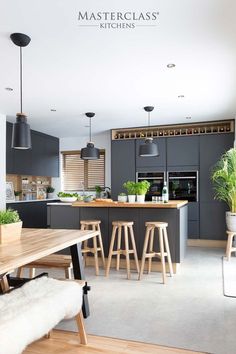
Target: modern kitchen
(117, 178)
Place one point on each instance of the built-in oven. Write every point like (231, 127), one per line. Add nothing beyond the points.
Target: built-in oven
(156, 180)
(183, 185)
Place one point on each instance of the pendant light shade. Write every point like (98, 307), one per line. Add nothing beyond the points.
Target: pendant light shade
(21, 137)
(149, 148)
(90, 152)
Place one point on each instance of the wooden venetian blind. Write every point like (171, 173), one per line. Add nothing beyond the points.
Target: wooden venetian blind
(77, 172)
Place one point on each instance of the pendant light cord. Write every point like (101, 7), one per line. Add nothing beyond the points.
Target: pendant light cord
(90, 130)
(21, 80)
(149, 119)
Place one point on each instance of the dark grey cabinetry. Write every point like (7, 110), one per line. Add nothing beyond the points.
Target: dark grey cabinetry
(193, 220)
(41, 160)
(122, 165)
(212, 220)
(63, 217)
(183, 151)
(155, 161)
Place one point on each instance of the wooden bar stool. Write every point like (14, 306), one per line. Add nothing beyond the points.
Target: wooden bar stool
(97, 242)
(229, 247)
(164, 247)
(127, 225)
(56, 261)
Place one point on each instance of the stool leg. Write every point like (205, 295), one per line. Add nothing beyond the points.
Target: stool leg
(229, 245)
(68, 273)
(4, 284)
(127, 251)
(162, 254)
(101, 246)
(84, 245)
(168, 251)
(148, 229)
(32, 272)
(19, 273)
(134, 247)
(118, 249)
(150, 250)
(95, 252)
(110, 250)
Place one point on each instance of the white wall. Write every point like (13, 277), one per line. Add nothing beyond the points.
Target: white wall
(101, 141)
(2, 161)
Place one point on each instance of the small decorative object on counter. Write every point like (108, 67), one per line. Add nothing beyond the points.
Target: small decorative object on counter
(17, 195)
(165, 194)
(141, 189)
(130, 186)
(88, 198)
(67, 197)
(50, 192)
(224, 181)
(10, 226)
(98, 190)
(122, 197)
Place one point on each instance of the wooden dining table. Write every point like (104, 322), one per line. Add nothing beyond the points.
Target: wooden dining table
(37, 243)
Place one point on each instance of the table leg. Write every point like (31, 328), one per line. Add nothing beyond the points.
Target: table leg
(78, 270)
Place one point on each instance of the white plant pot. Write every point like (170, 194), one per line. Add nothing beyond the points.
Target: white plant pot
(141, 198)
(122, 198)
(230, 221)
(50, 195)
(131, 198)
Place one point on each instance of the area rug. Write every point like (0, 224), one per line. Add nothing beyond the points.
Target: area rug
(229, 276)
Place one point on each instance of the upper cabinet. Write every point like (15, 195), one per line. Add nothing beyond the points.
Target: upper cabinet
(41, 160)
(183, 151)
(155, 161)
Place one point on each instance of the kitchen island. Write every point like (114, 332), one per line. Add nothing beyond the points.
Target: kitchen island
(175, 213)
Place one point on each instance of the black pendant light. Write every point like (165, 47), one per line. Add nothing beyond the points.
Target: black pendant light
(148, 148)
(90, 152)
(21, 138)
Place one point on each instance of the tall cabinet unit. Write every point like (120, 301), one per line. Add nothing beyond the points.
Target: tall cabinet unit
(212, 212)
(154, 163)
(122, 165)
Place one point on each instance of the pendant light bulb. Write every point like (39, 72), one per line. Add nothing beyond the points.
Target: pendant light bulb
(90, 152)
(21, 137)
(148, 149)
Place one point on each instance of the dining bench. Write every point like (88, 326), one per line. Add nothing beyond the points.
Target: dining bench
(30, 312)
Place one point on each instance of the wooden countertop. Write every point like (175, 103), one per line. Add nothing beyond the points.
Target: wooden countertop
(172, 204)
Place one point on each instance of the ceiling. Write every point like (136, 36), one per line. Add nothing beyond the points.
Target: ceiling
(116, 72)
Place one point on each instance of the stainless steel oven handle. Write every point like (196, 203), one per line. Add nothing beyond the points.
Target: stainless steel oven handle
(185, 177)
(147, 178)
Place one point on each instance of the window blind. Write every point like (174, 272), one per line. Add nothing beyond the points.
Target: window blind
(77, 172)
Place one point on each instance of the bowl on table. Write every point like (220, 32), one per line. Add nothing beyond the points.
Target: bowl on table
(68, 199)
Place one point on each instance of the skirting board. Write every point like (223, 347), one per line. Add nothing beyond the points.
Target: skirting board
(156, 266)
(206, 243)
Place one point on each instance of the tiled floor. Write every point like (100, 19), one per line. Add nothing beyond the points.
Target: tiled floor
(190, 311)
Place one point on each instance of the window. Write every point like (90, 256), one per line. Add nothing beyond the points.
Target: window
(76, 172)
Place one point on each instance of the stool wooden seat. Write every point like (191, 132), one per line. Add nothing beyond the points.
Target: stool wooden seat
(229, 247)
(164, 247)
(97, 242)
(59, 261)
(128, 231)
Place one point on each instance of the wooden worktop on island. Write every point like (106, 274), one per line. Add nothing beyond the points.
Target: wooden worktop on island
(172, 204)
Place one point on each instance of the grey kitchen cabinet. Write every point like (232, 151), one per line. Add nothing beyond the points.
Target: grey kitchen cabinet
(152, 161)
(212, 220)
(193, 229)
(122, 165)
(211, 149)
(193, 220)
(41, 160)
(63, 217)
(183, 151)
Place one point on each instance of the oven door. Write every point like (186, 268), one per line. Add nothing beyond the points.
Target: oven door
(156, 180)
(183, 185)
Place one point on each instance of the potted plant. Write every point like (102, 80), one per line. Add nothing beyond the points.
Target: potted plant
(10, 226)
(17, 195)
(122, 197)
(130, 186)
(141, 189)
(224, 181)
(98, 190)
(50, 192)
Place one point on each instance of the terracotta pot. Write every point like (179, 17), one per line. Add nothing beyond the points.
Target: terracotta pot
(10, 232)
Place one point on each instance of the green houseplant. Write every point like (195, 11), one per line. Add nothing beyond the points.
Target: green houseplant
(10, 226)
(50, 192)
(224, 182)
(141, 189)
(17, 195)
(98, 190)
(130, 186)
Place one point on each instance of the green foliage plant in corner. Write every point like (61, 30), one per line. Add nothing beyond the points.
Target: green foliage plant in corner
(9, 216)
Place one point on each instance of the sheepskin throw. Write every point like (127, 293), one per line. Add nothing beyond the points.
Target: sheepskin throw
(30, 312)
